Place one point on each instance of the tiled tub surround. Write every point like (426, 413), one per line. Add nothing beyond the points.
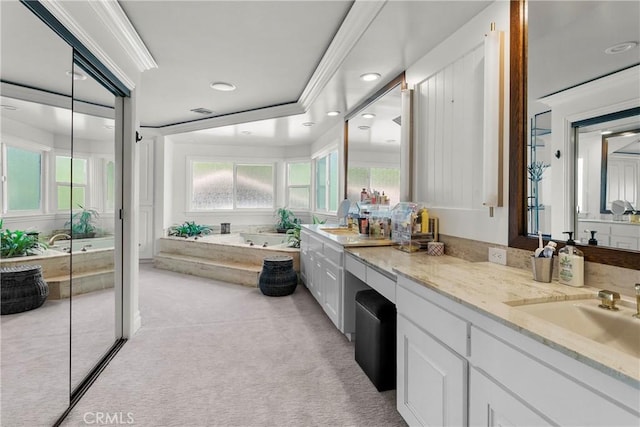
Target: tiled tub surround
(224, 257)
(92, 270)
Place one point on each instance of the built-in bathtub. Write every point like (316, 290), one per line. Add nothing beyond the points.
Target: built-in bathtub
(93, 268)
(267, 240)
(77, 245)
(235, 258)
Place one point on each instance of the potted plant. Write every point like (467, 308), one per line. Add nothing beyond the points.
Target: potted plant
(18, 243)
(189, 229)
(286, 220)
(83, 223)
(293, 234)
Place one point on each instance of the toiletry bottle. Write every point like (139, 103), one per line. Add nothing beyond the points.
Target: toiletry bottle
(424, 224)
(592, 240)
(571, 264)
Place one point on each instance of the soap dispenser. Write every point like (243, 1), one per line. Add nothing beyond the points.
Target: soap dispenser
(571, 263)
(592, 240)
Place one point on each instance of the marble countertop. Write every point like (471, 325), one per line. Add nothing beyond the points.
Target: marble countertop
(348, 239)
(493, 290)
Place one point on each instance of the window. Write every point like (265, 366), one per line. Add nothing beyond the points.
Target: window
(226, 185)
(71, 194)
(374, 178)
(327, 182)
(24, 179)
(299, 185)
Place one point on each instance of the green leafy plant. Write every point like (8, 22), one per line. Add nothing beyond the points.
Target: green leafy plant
(18, 243)
(83, 223)
(293, 234)
(286, 220)
(189, 229)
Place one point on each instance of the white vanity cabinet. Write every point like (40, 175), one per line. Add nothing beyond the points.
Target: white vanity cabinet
(322, 271)
(459, 366)
(431, 365)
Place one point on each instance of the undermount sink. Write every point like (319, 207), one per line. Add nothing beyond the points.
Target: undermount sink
(340, 231)
(616, 329)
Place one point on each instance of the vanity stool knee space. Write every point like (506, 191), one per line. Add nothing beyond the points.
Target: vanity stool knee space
(375, 348)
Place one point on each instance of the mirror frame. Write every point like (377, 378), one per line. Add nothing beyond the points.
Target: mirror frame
(517, 234)
(399, 80)
(604, 168)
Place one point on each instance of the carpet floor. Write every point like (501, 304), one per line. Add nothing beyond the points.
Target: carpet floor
(216, 354)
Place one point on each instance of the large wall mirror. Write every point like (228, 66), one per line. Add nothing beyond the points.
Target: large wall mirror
(59, 171)
(374, 140)
(563, 53)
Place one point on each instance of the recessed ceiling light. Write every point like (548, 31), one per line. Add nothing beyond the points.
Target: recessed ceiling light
(363, 127)
(369, 77)
(333, 113)
(368, 115)
(606, 132)
(620, 47)
(8, 107)
(308, 124)
(222, 86)
(76, 75)
(245, 132)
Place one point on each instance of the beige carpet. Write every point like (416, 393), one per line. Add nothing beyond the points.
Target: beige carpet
(211, 353)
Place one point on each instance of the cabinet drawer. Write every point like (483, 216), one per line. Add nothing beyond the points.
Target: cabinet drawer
(544, 388)
(333, 253)
(356, 267)
(449, 329)
(381, 283)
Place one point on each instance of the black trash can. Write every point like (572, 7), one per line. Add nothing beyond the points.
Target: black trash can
(376, 338)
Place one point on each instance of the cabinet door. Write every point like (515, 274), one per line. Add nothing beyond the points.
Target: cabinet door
(491, 405)
(431, 379)
(318, 285)
(332, 284)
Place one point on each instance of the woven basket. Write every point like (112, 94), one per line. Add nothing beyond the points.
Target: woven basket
(22, 288)
(278, 278)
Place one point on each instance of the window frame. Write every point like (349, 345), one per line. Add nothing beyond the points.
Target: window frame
(44, 151)
(289, 186)
(56, 183)
(326, 154)
(235, 162)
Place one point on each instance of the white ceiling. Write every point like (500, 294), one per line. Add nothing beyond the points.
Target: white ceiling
(270, 50)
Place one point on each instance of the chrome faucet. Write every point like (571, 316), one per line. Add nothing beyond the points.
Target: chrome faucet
(637, 315)
(53, 239)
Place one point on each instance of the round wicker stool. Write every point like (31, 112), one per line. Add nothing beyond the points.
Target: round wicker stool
(278, 278)
(22, 288)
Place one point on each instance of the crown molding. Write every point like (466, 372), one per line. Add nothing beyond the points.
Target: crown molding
(58, 9)
(114, 18)
(360, 16)
(267, 113)
(626, 81)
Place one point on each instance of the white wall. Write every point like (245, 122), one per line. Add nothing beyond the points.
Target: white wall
(448, 115)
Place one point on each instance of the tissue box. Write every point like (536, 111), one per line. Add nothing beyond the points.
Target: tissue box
(435, 248)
